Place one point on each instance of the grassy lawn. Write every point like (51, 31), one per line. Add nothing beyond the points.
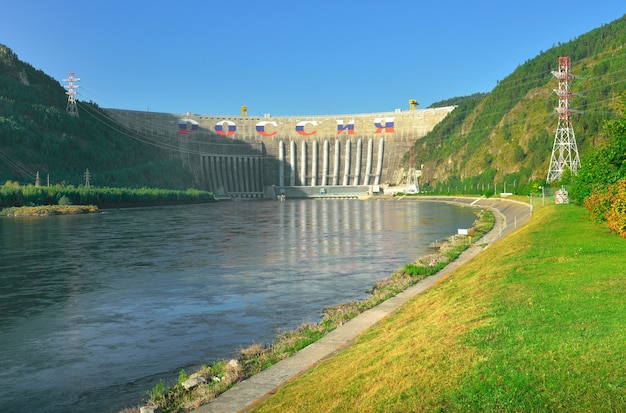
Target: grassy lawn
(536, 323)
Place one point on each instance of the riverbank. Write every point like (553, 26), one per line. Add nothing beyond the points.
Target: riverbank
(47, 210)
(531, 324)
(204, 385)
(248, 393)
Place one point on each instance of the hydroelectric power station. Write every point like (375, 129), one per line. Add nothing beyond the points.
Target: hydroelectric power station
(303, 156)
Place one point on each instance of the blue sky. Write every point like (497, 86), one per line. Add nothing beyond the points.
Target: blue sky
(288, 57)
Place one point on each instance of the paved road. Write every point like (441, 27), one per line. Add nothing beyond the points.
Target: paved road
(513, 213)
(244, 395)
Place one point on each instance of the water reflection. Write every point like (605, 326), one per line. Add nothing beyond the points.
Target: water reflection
(96, 309)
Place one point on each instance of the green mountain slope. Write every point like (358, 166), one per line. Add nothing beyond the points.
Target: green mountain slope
(37, 135)
(506, 136)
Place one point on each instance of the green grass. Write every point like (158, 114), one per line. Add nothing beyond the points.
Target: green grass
(536, 323)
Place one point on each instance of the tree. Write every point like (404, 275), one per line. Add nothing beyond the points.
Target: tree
(606, 165)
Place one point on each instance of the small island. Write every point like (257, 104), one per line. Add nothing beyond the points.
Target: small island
(46, 210)
(31, 200)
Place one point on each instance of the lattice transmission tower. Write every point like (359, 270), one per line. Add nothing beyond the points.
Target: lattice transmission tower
(72, 109)
(565, 150)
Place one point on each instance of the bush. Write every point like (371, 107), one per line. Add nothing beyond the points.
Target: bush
(65, 200)
(616, 215)
(609, 206)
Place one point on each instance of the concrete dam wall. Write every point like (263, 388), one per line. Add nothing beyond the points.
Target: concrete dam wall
(249, 157)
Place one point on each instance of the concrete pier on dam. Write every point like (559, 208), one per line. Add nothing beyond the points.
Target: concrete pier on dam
(300, 156)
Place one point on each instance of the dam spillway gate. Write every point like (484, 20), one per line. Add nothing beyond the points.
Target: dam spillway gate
(235, 176)
(240, 176)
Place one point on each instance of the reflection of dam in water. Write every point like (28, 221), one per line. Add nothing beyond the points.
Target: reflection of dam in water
(255, 157)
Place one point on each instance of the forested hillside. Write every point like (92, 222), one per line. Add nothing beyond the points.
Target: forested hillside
(506, 136)
(37, 135)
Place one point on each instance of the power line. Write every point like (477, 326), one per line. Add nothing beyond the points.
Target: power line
(16, 165)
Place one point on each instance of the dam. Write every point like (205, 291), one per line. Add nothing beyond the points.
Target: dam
(303, 156)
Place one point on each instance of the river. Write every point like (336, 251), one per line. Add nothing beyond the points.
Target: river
(96, 309)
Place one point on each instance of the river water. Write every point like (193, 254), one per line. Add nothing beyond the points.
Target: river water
(97, 309)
